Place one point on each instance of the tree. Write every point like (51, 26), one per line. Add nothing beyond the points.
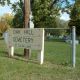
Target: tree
(8, 18)
(60, 24)
(42, 14)
(75, 17)
(5, 22)
(18, 20)
(45, 12)
(3, 2)
(22, 13)
(3, 26)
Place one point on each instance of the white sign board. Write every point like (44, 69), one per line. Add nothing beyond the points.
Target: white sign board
(26, 38)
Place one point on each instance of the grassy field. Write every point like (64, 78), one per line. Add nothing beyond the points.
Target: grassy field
(57, 64)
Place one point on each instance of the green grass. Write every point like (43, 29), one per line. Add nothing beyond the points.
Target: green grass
(57, 64)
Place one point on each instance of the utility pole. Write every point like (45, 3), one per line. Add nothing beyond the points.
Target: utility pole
(26, 23)
(26, 12)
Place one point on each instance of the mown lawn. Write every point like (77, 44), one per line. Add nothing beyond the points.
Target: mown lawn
(57, 64)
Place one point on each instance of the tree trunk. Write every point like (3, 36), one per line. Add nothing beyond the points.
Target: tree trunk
(26, 22)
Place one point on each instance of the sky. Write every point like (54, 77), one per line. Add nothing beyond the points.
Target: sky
(7, 9)
(65, 16)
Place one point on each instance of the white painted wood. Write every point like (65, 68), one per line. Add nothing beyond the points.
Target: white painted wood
(11, 51)
(41, 53)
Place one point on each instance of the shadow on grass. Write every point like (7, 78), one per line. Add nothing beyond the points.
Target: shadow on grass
(21, 57)
(18, 57)
(4, 53)
(1, 38)
(25, 59)
(55, 40)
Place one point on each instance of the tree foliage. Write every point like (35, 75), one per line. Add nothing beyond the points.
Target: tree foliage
(43, 14)
(18, 9)
(3, 26)
(75, 16)
(5, 22)
(7, 18)
(3, 2)
(60, 24)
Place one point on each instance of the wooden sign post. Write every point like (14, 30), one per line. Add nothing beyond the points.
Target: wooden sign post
(41, 53)
(11, 51)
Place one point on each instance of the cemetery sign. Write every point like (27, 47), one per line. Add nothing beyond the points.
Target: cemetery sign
(26, 38)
